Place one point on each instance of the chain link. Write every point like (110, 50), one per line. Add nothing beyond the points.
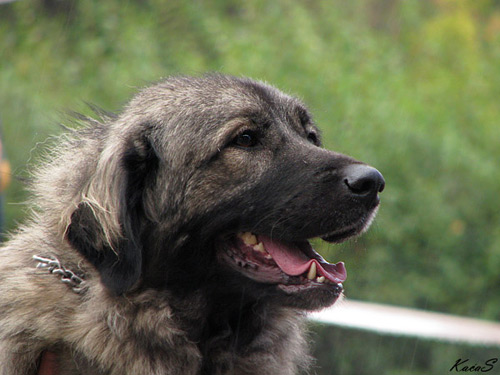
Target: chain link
(68, 277)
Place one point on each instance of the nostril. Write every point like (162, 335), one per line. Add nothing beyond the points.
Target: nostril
(360, 187)
(363, 180)
(382, 186)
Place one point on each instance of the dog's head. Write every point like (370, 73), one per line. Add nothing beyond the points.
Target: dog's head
(213, 180)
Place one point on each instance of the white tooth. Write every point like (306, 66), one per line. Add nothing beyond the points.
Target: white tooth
(312, 271)
(321, 279)
(260, 247)
(248, 238)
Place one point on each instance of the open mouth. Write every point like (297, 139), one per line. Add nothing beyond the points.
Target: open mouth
(292, 266)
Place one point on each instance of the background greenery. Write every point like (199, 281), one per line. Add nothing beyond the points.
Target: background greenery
(411, 87)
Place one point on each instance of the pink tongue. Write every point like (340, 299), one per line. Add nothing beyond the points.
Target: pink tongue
(293, 261)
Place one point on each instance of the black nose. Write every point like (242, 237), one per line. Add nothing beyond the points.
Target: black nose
(364, 182)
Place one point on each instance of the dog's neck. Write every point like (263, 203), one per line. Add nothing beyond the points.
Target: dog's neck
(74, 280)
(224, 321)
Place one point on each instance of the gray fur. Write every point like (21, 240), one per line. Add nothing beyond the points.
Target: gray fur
(140, 328)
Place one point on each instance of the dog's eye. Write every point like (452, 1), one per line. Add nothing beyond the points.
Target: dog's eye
(313, 138)
(248, 138)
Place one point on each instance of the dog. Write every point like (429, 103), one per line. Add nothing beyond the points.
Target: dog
(172, 238)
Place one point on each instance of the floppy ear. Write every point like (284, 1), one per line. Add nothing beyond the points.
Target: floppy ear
(106, 226)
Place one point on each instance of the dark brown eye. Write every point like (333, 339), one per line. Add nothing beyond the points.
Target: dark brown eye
(313, 138)
(246, 139)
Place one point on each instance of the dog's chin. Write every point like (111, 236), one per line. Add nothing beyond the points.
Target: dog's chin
(310, 298)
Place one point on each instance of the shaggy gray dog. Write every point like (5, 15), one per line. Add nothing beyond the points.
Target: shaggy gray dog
(172, 238)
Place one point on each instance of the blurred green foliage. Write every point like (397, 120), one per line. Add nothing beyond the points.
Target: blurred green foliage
(411, 87)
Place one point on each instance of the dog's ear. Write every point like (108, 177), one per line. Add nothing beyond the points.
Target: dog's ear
(106, 226)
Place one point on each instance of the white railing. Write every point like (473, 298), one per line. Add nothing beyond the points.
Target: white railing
(402, 321)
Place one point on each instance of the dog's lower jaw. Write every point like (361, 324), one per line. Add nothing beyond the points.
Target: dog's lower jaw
(312, 300)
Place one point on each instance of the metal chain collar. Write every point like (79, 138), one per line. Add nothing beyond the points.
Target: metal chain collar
(68, 277)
